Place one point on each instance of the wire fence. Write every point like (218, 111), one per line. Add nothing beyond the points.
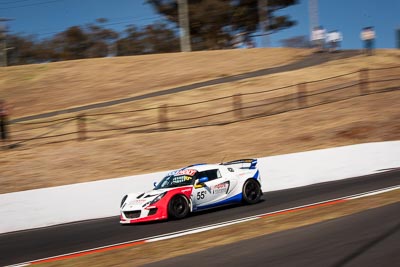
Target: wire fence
(207, 112)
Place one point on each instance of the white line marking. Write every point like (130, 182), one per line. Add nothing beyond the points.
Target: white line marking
(376, 192)
(202, 229)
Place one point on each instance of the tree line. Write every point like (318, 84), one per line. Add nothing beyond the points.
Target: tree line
(214, 24)
(91, 41)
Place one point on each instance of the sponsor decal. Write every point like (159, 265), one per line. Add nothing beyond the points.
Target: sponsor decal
(189, 172)
(186, 190)
(181, 179)
(221, 188)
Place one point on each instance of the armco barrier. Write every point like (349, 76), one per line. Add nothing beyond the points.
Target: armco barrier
(83, 201)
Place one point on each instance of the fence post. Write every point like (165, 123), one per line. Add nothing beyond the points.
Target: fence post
(237, 106)
(163, 117)
(81, 124)
(363, 81)
(302, 95)
(4, 126)
(3, 130)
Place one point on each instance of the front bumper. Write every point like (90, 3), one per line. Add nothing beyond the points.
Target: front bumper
(151, 213)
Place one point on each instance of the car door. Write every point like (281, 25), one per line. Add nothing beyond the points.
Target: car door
(208, 194)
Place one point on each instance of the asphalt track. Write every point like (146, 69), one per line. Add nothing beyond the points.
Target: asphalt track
(51, 241)
(369, 238)
(312, 60)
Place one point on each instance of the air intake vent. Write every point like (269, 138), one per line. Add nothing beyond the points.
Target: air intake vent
(132, 214)
(152, 211)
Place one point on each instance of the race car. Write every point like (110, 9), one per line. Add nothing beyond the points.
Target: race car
(194, 188)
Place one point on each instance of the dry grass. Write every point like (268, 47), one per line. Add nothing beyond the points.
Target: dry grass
(153, 252)
(37, 88)
(362, 119)
(347, 122)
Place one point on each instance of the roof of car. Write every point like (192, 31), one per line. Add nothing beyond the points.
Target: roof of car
(203, 167)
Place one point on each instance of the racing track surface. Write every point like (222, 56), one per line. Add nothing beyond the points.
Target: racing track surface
(338, 242)
(51, 241)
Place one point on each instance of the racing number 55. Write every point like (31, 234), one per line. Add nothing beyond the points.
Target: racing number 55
(201, 195)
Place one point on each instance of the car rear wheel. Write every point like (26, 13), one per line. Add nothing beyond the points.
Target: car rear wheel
(178, 207)
(251, 192)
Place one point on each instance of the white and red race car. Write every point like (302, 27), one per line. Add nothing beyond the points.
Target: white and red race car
(194, 188)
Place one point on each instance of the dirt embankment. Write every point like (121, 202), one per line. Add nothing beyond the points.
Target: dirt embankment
(368, 118)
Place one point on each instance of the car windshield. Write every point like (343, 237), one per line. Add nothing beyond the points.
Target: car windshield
(179, 178)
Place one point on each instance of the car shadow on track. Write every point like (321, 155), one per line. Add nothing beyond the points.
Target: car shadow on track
(197, 214)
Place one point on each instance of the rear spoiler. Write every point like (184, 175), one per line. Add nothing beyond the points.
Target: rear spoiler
(245, 163)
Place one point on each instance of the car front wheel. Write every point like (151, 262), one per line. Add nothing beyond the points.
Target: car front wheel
(178, 207)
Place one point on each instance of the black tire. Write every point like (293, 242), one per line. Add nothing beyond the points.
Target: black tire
(178, 207)
(251, 192)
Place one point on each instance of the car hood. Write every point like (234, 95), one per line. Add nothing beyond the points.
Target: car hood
(135, 200)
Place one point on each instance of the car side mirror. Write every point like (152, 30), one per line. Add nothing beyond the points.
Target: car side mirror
(203, 180)
(155, 184)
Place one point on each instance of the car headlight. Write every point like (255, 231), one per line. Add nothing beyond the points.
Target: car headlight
(123, 200)
(160, 196)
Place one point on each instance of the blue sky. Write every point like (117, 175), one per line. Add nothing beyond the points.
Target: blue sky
(45, 17)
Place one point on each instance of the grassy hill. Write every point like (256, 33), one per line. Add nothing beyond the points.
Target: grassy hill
(34, 89)
(43, 87)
